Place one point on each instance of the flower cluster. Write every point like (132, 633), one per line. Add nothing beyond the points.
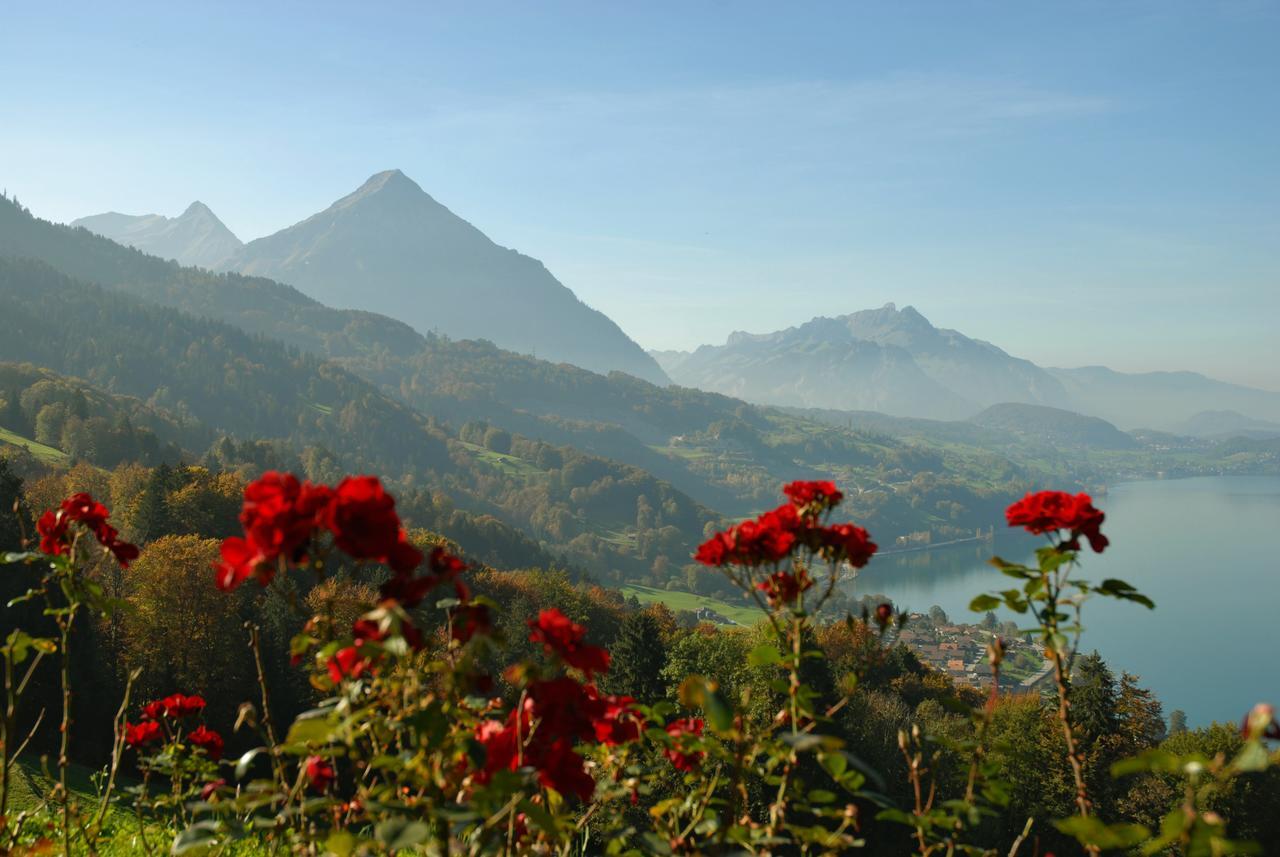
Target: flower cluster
(776, 535)
(684, 761)
(170, 712)
(405, 590)
(1055, 511)
(54, 528)
(562, 637)
(555, 714)
(282, 516)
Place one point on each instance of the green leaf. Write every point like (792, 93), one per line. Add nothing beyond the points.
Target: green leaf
(313, 730)
(983, 603)
(1094, 831)
(1148, 761)
(22, 556)
(1119, 589)
(698, 692)
(834, 763)
(399, 833)
(200, 835)
(763, 656)
(340, 843)
(243, 763)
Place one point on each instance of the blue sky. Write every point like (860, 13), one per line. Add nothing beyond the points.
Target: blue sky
(1080, 183)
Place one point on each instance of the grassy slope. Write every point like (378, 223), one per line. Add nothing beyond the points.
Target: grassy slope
(47, 454)
(742, 614)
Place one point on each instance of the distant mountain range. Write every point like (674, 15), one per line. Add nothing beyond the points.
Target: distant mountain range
(390, 248)
(195, 237)
(894, 361)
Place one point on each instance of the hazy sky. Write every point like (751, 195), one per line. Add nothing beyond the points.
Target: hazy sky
(1077, 182)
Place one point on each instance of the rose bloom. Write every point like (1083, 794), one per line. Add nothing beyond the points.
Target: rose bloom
(179, 705)
(320, 774)
(141, 734)
(822, 494)
(207, 740)
(783, 587)
(562, 637)
(1051, 511)
(362, 517)
(685, 726)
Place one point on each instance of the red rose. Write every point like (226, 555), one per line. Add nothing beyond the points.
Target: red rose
(1051, 511)
(500, 742)
(320, 774)
(677, 729)
(563, 637)
(179, 705)
(783, 587)
(362, 517)
(141, 734)
(563, 708)
(208, 740)
(562, 769)
(617, 721)
(240, 561)
(153, 710)
(469, 620)
(767, 539)
(348, 663)
(818, 495)
(280, 514)
(54, 527)
(211, 789)
(847, 543)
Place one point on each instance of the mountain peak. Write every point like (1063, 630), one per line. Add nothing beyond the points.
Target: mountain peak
(388, 180)
(198, 209)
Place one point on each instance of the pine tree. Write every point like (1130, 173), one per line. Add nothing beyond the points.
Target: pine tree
(1093, 698)
(13, 520)
(1177, 722)
(639, 654)
(152, 519)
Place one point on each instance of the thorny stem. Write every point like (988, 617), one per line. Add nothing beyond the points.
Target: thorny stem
(1061, 673)
(6, 736)
(276, 765)
(64, 629)
(117, 748)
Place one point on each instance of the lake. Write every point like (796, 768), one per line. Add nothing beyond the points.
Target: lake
(1203, 549)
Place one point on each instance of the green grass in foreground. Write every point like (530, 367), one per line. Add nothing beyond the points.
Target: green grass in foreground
(743, 614)
(47, 454)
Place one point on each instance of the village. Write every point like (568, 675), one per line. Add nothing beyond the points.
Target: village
(960, 651)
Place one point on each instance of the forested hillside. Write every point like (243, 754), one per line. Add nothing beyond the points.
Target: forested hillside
(724, 453)
(298, 407)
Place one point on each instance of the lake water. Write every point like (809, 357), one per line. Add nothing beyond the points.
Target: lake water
(1206, 550)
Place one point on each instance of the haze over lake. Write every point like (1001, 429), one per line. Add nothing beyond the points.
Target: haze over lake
(1202, 548)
